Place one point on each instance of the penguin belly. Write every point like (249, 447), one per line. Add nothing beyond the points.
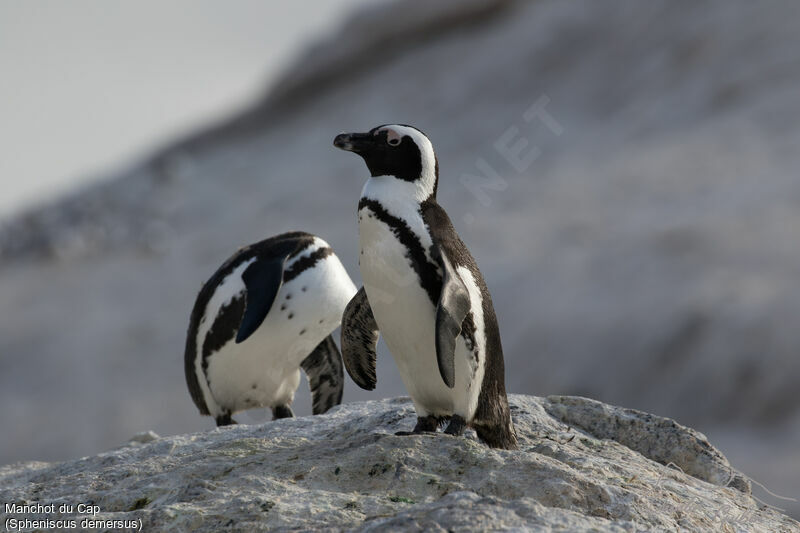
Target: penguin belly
(264, 370)
(406, 319)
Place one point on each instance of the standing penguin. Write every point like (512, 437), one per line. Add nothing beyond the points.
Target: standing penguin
(423, 292)
(266, 312)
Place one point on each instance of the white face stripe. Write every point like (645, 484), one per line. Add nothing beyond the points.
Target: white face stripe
(427, 180)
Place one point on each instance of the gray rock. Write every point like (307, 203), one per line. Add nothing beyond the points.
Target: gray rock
(660, 439)
(582, 465)
(143, 438)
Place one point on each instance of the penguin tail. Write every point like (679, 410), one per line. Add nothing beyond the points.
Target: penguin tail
(492, 419)
(499, 435)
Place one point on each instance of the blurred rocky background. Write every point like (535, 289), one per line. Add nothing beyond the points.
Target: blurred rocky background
(626, 175)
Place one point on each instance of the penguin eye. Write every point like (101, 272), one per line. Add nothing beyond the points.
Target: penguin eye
(393, 138)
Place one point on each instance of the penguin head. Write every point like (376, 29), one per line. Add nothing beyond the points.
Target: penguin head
(397, 151)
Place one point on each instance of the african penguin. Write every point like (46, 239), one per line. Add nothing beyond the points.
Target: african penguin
(423, 291)
(268, 311)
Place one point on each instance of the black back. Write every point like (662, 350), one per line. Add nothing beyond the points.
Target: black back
(445, 237)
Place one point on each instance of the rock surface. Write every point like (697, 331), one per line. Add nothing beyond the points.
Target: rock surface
(582, 465)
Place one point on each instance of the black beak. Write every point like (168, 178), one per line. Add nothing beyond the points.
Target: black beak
(353, 142)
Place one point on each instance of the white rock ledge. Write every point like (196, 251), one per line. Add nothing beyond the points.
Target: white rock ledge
(582, 465)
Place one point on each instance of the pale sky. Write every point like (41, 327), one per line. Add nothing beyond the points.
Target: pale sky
(89, 86)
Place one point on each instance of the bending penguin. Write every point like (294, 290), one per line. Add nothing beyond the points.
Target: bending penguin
(423, 291)
(268, 311)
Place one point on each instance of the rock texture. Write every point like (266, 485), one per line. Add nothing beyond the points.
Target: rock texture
(581, 466)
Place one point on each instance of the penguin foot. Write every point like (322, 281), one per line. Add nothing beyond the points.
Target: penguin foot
(225, 420)
(282, 411)
(456, 426)
(425, 424)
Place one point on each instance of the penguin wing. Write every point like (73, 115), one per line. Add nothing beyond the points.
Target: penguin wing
(262, 280)
(360, 340)
(452, 309)
(325, 375)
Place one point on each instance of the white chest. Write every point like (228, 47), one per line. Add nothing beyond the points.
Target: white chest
(406, 316)
(384, 261)
(403, 311)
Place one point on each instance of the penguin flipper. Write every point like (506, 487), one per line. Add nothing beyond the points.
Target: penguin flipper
(452, 309)
(263, 280)
(360, 341)
(325, 375)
